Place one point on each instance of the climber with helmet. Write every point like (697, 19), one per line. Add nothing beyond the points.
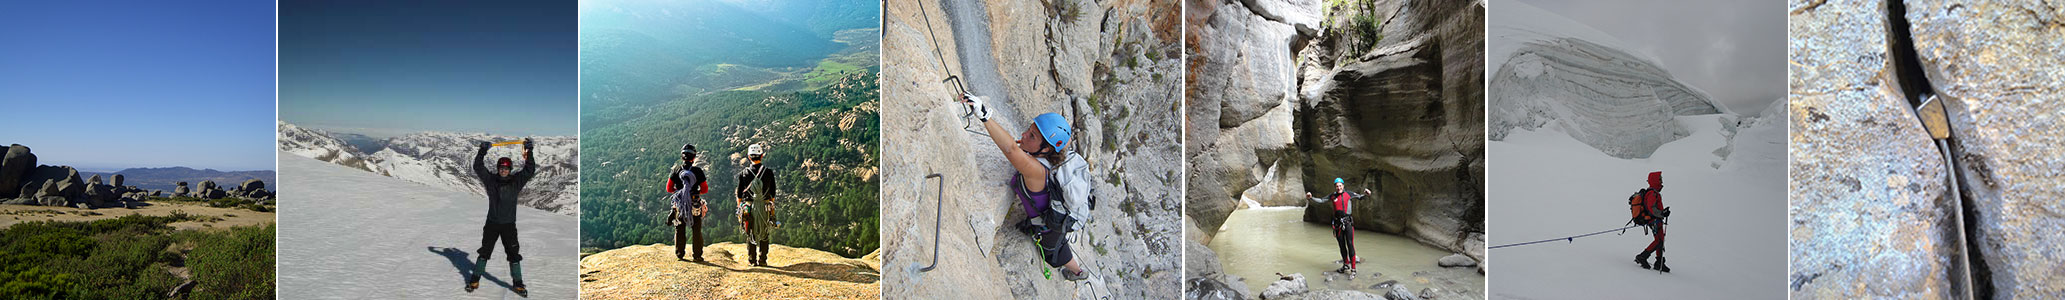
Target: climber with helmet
(1047, 138)
(755, 203)
(502, 188)
(1647, 210)
(687, 184)
(1344, 226)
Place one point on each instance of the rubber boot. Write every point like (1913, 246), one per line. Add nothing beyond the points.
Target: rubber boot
(516, 274)
(480, 267)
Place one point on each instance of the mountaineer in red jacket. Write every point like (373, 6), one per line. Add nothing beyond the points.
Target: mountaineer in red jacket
(1647, 210)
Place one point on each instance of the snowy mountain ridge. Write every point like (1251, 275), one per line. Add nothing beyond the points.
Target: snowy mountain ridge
(1551, 71)
(442, 160)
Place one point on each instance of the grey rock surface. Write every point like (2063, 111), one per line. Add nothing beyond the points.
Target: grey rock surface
(1870, 216)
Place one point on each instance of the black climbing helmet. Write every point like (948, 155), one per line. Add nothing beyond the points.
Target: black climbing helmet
(502, 163)
(688, 151)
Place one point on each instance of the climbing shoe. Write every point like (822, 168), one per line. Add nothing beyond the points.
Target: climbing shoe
(1074, 275)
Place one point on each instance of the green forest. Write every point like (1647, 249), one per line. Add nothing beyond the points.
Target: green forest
(625, 164)
(133, 257)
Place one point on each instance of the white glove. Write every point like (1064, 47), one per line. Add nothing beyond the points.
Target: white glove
(975, 106)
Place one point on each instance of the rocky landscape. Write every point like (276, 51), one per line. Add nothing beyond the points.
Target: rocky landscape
(1111, 67)
(24, 182)
(1385, 95)
(1872, 215)
(652, 271)
(443, 160)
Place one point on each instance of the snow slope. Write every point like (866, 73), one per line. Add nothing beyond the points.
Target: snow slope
(354, 234)
(1727, 236)
(443, 160)
(1550, 71)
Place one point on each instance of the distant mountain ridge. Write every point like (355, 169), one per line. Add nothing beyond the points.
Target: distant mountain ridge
(167, 178)
(441, 159)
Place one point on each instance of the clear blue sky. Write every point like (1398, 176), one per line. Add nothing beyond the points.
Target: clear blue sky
(385, 66)
(106, 85)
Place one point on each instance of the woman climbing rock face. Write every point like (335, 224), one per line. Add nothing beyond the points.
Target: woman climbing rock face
(1049, 134)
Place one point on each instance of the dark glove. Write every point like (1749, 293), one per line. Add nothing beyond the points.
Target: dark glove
(526, 143)
(485, 144)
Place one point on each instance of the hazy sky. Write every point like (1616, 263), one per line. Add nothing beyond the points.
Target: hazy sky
(1735, 50)
(383, 67)
(107, 85)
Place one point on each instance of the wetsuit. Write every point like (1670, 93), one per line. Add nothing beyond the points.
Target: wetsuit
(687, 186)
(1344, 223)
(756, 187)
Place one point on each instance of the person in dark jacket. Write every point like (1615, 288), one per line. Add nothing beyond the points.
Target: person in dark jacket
(756, 209)
(502, 188)
(687, 184)
(1651, 214)
(1343, 202)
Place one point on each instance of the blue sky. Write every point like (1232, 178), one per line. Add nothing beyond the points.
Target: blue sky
(106, 85)
(390, 67)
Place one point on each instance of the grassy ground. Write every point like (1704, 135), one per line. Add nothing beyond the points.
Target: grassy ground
(135, 257)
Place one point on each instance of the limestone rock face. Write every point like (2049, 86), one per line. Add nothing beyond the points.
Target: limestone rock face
(1403, 119)
(1997, 66)
(1109, 67)
(1239, 90)
(1870, 216)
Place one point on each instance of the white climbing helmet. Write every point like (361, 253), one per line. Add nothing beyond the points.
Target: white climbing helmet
(756, 150)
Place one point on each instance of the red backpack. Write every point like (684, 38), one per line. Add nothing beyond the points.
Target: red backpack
(1639, 206)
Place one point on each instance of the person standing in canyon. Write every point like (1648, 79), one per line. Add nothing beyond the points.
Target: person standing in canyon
(1344, 226)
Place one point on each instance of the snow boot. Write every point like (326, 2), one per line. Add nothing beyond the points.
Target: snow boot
(1660, 267)
(480, 266)
(1642, 260)
(516, 274)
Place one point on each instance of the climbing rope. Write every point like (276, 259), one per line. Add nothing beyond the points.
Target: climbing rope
(1567, 238)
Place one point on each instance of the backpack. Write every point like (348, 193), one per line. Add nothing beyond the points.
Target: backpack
(1638, 207)
(1072, 178)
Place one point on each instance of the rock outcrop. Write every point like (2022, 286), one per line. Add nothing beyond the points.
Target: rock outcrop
(1996, 64)
(14, 169)
(182, 191)
(1110, 67)
(641, 272)
(1870, 213)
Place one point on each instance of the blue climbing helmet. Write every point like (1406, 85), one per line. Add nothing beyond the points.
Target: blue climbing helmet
(1338, 180)
(1054, 128)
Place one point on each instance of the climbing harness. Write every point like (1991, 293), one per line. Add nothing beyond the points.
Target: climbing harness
(939, 198)
(1573, 238)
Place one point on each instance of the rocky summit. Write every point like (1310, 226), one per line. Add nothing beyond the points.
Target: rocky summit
(653, 272)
